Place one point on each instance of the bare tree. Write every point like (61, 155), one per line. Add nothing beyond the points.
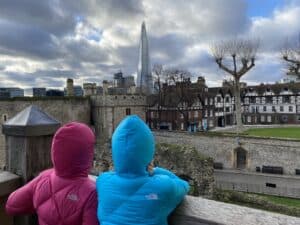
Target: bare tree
(159, 79)
(178, 83)
(236, 57)
(291, 55)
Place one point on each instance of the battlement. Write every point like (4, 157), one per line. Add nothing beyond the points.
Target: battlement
(119, 100)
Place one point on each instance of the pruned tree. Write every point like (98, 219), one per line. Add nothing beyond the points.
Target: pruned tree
(291, 55)
(236, 57)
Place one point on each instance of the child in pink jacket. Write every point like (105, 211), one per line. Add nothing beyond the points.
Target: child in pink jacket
(63, 195)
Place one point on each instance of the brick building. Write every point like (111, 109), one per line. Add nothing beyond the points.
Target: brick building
(194, 106)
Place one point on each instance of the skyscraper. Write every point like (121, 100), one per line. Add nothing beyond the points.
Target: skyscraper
(144, 76)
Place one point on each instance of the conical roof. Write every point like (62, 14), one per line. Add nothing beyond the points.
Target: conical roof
(30, 122)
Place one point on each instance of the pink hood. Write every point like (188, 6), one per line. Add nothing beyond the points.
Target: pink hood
(72, 150)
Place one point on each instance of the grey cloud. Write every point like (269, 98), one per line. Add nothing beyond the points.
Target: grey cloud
(83, 51)
(51, 16)
(171, 45)
(47, 78)
(18, 40)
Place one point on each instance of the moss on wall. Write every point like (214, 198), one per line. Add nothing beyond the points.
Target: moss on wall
(189, 164)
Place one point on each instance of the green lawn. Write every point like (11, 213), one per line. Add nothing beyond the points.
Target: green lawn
(284, 205)
(280, 132)
(283, 201)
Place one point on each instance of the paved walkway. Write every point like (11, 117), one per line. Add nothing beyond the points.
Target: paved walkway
(246, 127)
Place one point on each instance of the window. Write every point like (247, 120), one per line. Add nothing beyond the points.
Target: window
(205, 113)
(269, 118)
(273, 109)
(151, 115)
(281, 108)
(265, 108)
(211, 113)
(262, 118)
(190, 114)
(181, 115)
(269, 99)
(290, 108)
(252, 100)
(4, 117)
(205, 101)
(286, 99)
(227, 99)
(227, 109)
(182, 126)
(249, 119)
(196, 114)
(218, 99)
(128, 111)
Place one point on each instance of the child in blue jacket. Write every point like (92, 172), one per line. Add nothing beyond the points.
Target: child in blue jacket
(130, 195)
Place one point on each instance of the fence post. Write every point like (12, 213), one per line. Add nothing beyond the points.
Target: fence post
(28, 137)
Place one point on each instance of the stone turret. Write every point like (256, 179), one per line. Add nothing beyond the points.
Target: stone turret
(70, 87)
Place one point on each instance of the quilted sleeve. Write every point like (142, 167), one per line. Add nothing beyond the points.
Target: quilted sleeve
(179, 187)
(21, 201)
(90, 210)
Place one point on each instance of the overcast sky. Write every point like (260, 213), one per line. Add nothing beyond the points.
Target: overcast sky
(44, 42)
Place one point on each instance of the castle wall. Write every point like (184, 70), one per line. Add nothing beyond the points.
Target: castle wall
(260, 151)
(107, 113)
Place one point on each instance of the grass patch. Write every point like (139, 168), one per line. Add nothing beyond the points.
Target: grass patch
(279, 132)
(284, 205)
(282, 200)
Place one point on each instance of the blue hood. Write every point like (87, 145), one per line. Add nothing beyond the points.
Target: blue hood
(132, 147)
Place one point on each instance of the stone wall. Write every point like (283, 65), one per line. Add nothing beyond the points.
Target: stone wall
(271, 184)
(189, 164)
(107, 112)
(259, 151)
(62, 109)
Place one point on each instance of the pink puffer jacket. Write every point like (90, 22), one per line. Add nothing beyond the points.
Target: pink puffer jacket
(63, 195)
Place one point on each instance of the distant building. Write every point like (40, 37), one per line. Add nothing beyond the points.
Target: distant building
(122, 85)
(11, 92)
(209, 107)
(89, 89)
(54, 92)
(38, 92)
(77, 90)
(290, 79)
(144, 77)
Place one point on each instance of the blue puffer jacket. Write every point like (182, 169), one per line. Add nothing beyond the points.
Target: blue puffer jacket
(130, 195)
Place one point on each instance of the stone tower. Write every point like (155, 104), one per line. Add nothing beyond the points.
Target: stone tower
(144, 76)
(70, 87)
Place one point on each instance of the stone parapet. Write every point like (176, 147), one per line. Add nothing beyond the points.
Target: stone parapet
(8, 182)
(197, 210)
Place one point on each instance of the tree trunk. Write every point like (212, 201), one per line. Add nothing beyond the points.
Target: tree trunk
(238, 110)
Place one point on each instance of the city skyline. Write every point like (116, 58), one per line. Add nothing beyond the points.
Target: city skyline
(43, 43)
